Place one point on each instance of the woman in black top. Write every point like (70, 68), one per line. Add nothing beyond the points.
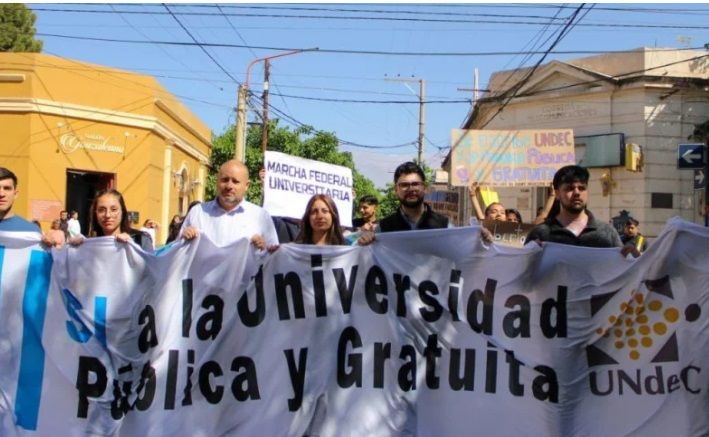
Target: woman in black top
(174, 228)
(321, 223)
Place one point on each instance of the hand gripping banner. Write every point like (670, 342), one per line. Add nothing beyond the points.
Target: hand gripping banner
(420, 333)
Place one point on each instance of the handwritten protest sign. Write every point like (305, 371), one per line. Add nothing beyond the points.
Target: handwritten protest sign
(508, 233)
(290, 181)
(510, 158)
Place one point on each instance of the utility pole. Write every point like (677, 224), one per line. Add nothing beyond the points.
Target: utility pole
(422, 110)
(476, 87)
(240, 129)
(264, 128)
(422, 117)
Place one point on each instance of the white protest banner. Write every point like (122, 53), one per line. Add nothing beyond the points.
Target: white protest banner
(509, 158)
(291, 181)
(425, 333)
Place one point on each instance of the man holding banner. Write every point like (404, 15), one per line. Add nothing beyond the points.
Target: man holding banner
(572, 223)
(413, 213)
(230, 217)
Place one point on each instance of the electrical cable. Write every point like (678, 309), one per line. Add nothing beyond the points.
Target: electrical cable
(374, 18)
(412, 102)
(353, 52)
(201, 45)
(511, 92)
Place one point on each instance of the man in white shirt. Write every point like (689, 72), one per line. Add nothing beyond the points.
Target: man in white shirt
(230, 217)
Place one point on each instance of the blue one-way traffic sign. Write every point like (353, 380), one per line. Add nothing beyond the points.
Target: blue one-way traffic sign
(691, 156)
(699, 179)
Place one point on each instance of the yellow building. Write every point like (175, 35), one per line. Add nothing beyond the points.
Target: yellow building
(71, 128)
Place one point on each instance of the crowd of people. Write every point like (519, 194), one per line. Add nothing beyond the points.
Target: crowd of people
(229, 216)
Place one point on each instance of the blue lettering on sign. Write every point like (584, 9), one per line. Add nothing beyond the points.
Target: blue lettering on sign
(34, 308)
(522, 174)
(76, 328)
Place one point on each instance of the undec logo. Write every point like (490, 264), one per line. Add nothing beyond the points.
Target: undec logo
(645, 325)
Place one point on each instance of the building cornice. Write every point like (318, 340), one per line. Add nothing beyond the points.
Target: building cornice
(61, 109)
(162, 105)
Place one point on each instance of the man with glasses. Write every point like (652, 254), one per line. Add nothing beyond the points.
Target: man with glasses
(413, 213)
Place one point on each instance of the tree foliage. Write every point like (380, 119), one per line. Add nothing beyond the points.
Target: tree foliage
(304, 142)
(701, 133)
(17, 29)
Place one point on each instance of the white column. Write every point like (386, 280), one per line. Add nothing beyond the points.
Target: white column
(202, 178)
(165, 204)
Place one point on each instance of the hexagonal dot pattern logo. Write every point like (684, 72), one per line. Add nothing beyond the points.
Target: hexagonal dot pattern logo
(641, 328)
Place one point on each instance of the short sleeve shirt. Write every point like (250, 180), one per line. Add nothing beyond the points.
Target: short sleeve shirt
(225, 227)
(17, 224)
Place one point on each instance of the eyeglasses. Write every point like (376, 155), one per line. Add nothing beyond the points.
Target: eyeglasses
(410, 185)
(113, 212)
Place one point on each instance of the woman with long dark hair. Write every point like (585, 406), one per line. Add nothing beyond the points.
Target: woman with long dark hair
(109, 217)
(174, 228)
(320, 224)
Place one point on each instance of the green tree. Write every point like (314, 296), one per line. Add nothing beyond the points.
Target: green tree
(17, 29)
(304, 142)
(701, 133)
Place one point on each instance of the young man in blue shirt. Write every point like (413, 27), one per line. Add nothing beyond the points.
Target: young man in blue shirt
(8, 193)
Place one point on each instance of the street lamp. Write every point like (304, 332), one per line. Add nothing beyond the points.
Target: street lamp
(240, 134)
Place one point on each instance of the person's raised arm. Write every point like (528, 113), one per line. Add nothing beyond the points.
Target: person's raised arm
(547, 206)
(473, 191)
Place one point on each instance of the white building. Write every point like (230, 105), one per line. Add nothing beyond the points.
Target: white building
(651, 97)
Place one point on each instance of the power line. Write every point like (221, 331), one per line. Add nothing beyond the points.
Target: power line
(221, 11)
(372, 18)
(364, 146)
(201, 46)
(278, 111)
(376, 11)
(534, 46)
(161, 48)
(510, 93)
(582, 83)
(600, 8)
(416, 102)
(353, 52)
(590, 82)
(297, 123)
(476, 6)
(202, 79)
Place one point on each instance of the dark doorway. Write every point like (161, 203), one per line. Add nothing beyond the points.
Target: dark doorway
(81, 187)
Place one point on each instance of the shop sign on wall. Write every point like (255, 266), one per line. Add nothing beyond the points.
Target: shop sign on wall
(71, 142)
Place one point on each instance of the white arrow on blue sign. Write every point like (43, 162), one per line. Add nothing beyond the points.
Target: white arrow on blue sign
(691, 156)
(699, 179)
